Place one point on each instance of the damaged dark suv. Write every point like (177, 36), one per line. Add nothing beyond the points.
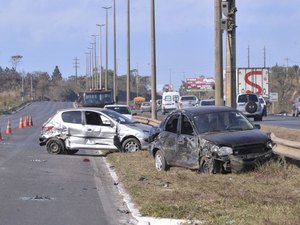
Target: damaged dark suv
(212, 139)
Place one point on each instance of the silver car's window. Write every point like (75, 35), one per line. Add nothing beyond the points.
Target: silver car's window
(71, 117)
(93, 118)
(117, 116)
(120, 109)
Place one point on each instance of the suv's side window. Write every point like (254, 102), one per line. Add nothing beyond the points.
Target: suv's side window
(186, 127)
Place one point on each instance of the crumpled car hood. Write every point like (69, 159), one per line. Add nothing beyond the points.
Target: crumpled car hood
(236, 138)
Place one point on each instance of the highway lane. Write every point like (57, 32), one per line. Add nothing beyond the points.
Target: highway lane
(38, 188)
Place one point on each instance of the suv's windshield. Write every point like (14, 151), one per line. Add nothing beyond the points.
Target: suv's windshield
(221, 121)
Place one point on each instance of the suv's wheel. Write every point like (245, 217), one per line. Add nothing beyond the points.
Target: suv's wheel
(131, 145)
(251, 107)
(55, 146)
(160, 162)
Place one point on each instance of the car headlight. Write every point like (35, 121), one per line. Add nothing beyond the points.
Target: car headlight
(270, 144)
(221, 151)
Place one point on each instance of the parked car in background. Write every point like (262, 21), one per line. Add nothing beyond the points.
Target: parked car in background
(145, 107)
(250, 105)
(206, 102)
(92, 129)
(169, 101)
(187, 101)
(123, 109)
(212, 139)
(263, 104)
(296, 107)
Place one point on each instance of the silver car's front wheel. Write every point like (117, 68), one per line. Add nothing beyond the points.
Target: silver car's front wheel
(160, 161)
(131, 145)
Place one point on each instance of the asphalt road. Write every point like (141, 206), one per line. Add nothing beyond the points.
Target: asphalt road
(37, 188)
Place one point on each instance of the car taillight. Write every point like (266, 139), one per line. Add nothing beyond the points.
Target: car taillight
(47, 128)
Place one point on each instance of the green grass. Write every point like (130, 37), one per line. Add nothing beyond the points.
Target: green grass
(270, 195)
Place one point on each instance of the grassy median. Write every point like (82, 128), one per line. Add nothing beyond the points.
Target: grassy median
(270, 195)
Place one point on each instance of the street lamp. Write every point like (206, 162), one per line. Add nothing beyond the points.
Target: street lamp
(128, 53)
(100, 55)
(153, 60)
(115, 55)
(106, 67)
(95, 60)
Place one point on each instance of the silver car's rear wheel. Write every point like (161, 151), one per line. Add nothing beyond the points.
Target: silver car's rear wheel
(131, 145)
(160, 161)
(55, 146)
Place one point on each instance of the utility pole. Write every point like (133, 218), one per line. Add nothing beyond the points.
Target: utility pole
(87, 68)
(264, 56)
(229, 24)
(100, 55)
(153, 60)
(106, 61)
(95, 61)
(76, 65)
(248, 56)
(115, 55)
(219, 95)
(128, 54)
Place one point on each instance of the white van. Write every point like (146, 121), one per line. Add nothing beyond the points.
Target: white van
(169, 101)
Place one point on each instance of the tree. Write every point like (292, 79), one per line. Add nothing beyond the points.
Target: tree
(15, 60)
(56, 75)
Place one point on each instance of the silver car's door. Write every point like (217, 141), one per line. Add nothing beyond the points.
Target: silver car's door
(99, 131)
(72, 121)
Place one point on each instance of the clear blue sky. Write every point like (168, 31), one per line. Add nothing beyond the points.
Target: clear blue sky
(49, 33)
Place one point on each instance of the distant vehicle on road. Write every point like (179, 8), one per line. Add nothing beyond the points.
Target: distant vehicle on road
(187, 101)
(263, 104)
(96, 98)
(145, 107)
(206, 102)
(296, 107)
(93, 129)
(250, 105)
(123, 109)
(169, 101)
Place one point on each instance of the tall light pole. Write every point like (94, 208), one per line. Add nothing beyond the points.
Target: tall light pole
(100, 55)
(128, 54)
(95, 61)
(153, 60)
(87, 63)
(115, 54)
(219, 95)
(106, 61)
(90, 67)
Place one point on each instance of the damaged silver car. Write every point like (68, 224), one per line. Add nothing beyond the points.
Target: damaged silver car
(212, 139)
(92, 128)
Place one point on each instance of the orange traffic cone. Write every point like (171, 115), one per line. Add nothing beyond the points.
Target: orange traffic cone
(24, 122)
(27, 121)
(21, 123)
(30, 121)
(8, 128)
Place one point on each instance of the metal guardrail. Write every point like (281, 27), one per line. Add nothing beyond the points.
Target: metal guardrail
(146, 120)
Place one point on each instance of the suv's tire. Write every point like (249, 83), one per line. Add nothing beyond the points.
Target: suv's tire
(160, 162)
(55, 146)
(251, 107)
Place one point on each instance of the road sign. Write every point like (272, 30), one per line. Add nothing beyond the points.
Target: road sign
(273, 97)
